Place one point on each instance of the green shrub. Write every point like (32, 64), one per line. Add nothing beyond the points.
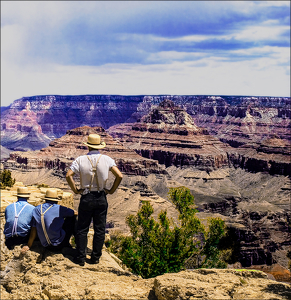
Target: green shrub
(158, 247)
(211, 250)
(6, 179)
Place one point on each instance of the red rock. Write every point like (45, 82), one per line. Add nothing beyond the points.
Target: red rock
(168, 134)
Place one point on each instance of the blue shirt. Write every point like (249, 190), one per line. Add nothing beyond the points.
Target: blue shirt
(23, 224)
(53, 219)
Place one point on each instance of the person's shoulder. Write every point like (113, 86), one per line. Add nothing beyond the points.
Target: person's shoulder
(106, 156)
(65, 208)
(9, 206)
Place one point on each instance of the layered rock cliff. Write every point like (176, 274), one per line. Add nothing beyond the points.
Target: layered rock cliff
(168, 134)
(234, 119)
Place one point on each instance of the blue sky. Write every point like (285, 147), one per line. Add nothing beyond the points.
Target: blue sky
(144, 47)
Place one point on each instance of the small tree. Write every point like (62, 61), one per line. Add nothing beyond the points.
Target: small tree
(6, 179)
(211, 250)
(158, 247)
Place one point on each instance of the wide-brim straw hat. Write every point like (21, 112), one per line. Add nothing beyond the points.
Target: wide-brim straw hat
(52, 195)
(94, 141)
(22, 192)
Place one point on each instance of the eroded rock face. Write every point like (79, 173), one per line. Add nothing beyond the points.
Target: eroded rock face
(20, 130)
(55, 114)
(236, 120)
(168, 134)
(255, 206)
(256, 128)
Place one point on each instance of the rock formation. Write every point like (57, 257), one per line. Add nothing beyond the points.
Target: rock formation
(234, 119)
(169, 135)
(20, 130)
(45, 275)
(257, 130)
(62, 151)
(256, 207)
(54, 115)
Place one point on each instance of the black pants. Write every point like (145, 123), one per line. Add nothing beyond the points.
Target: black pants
(69, 227)
(16, 240)
(92, 206)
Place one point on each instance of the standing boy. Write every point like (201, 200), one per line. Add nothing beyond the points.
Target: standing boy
(93, 169)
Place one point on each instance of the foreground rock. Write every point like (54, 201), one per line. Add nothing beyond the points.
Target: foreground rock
(219, 284)
(46, 275)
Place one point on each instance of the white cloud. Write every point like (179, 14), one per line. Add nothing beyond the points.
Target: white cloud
(262, 32)
(215, 77)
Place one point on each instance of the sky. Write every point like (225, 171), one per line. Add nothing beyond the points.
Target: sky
(144, 48)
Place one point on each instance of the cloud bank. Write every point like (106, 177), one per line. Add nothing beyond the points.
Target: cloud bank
(144, 47)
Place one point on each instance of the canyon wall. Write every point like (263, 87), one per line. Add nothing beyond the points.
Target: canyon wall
(237, 120)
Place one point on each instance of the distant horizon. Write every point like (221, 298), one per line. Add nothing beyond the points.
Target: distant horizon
(145, 48)
(144, 95)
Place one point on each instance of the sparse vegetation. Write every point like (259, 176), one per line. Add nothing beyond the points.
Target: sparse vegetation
(158, 247)
(6, 179)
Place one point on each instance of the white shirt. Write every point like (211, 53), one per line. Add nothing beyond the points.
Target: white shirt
(83, 167)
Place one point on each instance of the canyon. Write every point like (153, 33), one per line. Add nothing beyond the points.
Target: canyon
(233, 153)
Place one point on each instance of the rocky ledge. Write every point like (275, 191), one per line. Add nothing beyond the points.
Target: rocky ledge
(41, 274)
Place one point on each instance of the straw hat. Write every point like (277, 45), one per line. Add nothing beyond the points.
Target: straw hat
(94, 141)
(23, 192)
(52, 194)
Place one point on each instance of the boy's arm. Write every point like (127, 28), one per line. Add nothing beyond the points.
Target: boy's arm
(118, 177)
(30, 240)
(71, 182)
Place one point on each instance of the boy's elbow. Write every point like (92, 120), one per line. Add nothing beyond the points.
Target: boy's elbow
(69, 174)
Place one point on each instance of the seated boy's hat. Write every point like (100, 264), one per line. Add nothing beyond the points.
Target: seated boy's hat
(52, 194)
(94, 141)
(23, 192)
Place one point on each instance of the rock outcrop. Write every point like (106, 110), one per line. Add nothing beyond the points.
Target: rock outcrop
(168, 134)
(255, 206)
(54, 114)
(20, 130)
(46, 275)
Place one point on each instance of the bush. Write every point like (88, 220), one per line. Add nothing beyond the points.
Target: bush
(6, 179)
(158, 247)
